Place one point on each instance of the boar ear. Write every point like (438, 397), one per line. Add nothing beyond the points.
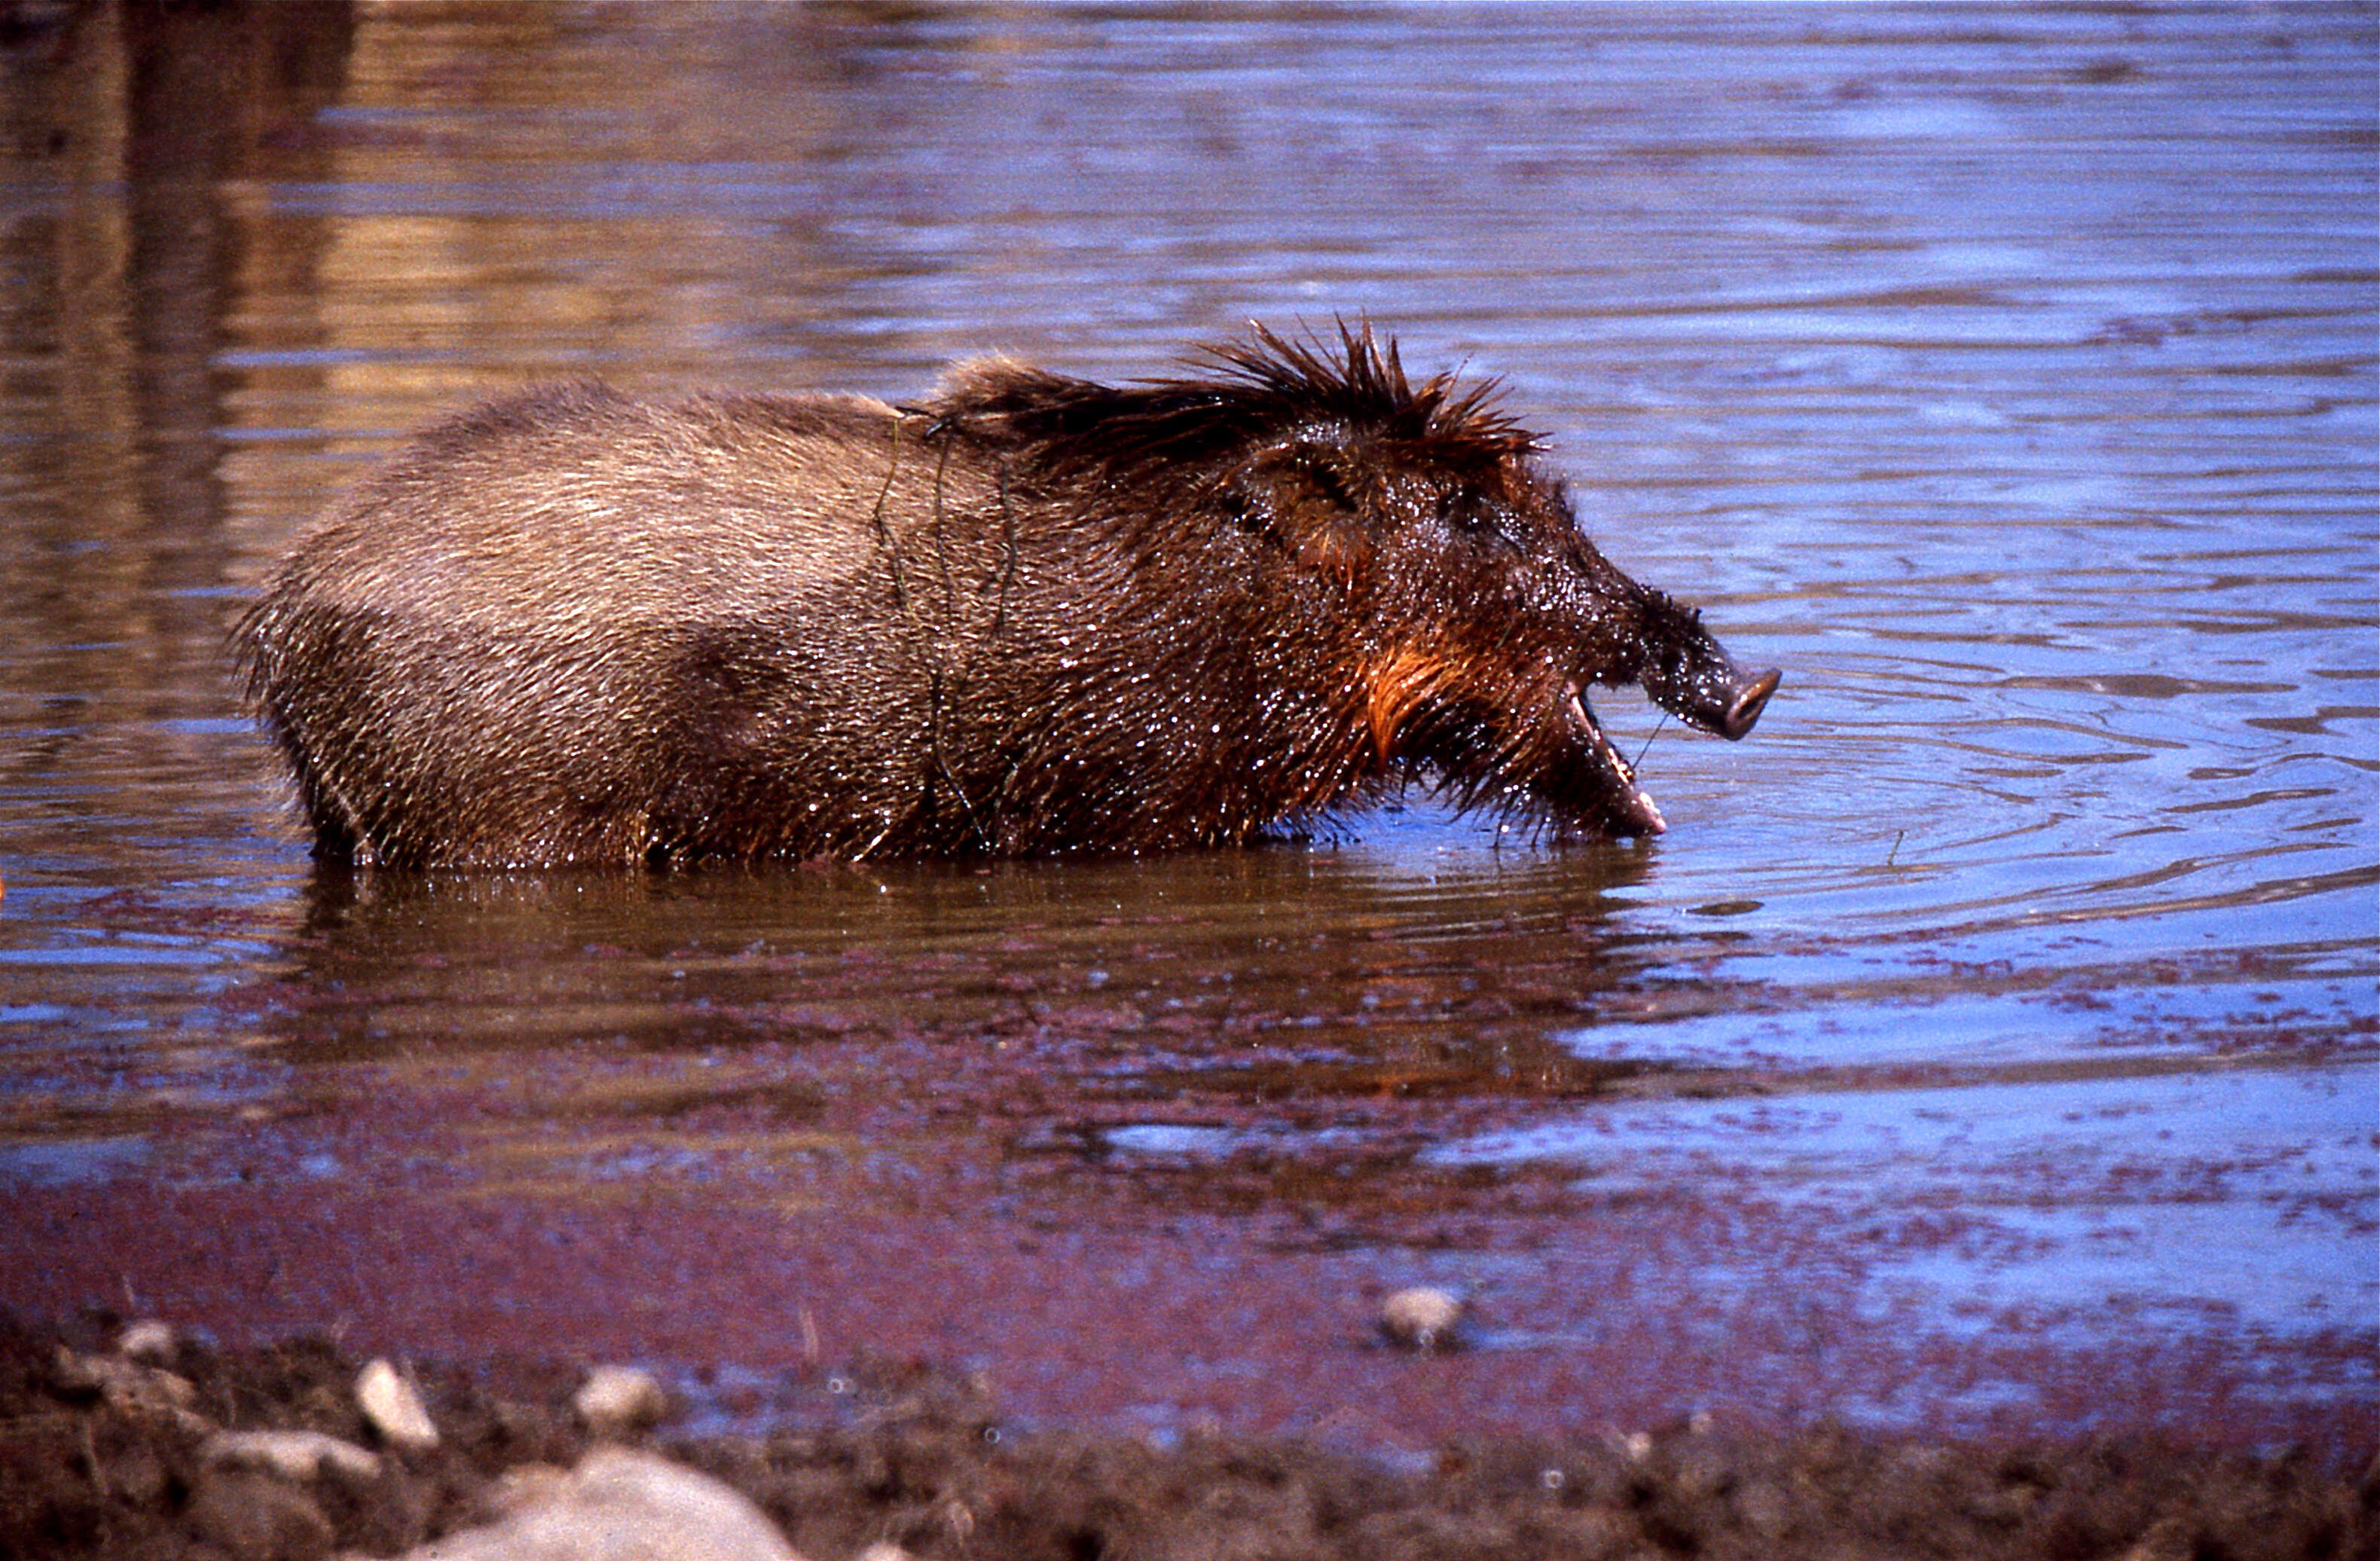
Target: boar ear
(1302, 497)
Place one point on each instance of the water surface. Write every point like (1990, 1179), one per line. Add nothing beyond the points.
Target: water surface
(1997, 1025)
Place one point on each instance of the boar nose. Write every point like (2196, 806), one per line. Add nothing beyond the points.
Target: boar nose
(1751, 698)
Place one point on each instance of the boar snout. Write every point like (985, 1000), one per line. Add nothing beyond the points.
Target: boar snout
(1689, 675)
(1750, 693)
(1717, 695)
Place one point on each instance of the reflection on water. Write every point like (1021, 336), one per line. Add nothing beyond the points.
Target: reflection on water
(1167, 951)
(2005, 376)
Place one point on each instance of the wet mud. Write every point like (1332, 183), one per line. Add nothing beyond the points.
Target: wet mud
(922, 1457)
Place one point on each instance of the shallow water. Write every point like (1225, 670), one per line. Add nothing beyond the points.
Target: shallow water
(2006, 376)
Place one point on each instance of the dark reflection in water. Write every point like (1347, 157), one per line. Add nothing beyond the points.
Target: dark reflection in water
(1187, 955)
(2007, 376)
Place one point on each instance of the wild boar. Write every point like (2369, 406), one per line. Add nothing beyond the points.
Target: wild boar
(1029, 614)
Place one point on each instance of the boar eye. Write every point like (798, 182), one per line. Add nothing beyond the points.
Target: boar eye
(1468, 512)
(1291, 488)
(1328, 486)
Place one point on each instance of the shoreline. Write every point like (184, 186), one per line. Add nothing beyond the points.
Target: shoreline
(112, 1438)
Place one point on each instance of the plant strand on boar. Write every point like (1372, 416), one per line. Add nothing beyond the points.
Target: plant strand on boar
(1030, 614)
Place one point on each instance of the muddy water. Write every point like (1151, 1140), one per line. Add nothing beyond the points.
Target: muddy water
(1991, 1043)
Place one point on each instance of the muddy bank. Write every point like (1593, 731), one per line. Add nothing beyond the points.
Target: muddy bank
(101, 1456)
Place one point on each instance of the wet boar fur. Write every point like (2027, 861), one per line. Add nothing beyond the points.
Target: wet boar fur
(1032, 614)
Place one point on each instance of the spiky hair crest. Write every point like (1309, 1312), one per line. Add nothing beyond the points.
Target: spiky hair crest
(1266, 387)
(1365, 385)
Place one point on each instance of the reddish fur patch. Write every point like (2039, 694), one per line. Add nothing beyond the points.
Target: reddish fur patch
(1396, 687)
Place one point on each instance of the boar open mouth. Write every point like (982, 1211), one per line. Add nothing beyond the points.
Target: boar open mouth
(1549, 758)
(1594, 789)
(1611, 800)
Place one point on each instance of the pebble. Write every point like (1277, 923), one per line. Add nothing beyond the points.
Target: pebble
(1423, 1318)
(130, 1389)
(149, 1341)
(619, 1505)
(394, 1408)
(619, 1398)
(293, 1455)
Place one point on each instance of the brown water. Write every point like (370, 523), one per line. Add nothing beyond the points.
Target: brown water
(2000, 1017)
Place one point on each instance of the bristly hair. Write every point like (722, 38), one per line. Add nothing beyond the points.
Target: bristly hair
(1364, 383)
(1267, 387)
